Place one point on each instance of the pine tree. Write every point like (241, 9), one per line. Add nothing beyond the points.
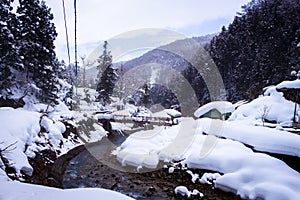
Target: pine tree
(107, 75)
(259, 47)
(8, 50)
(36, 40)
(146, 100)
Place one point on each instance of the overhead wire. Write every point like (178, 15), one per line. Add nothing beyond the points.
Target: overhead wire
(66, 29)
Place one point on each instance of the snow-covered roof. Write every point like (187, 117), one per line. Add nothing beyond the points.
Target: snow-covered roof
(289, 85)
(173, 113)
(222, 106)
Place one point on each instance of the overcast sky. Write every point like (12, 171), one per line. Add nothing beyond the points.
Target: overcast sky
(100, 20)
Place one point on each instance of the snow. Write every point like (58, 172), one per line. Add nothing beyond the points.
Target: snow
(215, 145)
(250, 175)
(150, 146)
(222, 106)
(173, 113)
(55, 128)
(183, 191)
(105, 116)
(244, 172)
(195, 177)
(19, 127)
(260, 138)
(267, 107)
(289, 85)
(209, 178)
(14, 190)
(161, 114)
(21, 138)
(171, 170)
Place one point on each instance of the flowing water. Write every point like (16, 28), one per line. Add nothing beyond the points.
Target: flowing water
(97, 167)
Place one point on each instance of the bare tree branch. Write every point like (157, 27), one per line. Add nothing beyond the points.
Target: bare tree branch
(9, 146)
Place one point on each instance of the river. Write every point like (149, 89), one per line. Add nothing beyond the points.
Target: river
(96, 167)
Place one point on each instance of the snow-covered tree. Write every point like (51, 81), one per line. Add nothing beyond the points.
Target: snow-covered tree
(107, 75)
(36, 40)
(146, 101)
(259, 47)
(9, 59)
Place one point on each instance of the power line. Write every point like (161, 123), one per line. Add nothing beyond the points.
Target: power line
(66, 28)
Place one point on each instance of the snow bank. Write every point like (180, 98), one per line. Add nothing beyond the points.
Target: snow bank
(146, 148)
(13, 190)
(55, 130)
(260, 138)
(21, 128)
(289, 85)
(222, 106)
(248, 174)
(266, 107)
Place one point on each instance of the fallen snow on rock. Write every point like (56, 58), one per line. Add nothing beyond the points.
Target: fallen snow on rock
(14, 190)
(146, 148)
(22, 137)
(260, 138)
(183, 191)
(248, 174)
(266, 107)
(209, 178)
(289, 85)
(20, 129)
(195, 176)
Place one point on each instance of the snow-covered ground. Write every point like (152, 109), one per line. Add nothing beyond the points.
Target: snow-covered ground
(202, 144)
(14, 190)
(249, 174)
(220, 146)
(21, 137)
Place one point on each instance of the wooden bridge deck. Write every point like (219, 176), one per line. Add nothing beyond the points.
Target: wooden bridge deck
(160, 121)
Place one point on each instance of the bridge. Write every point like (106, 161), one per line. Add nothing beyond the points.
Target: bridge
(140, 120)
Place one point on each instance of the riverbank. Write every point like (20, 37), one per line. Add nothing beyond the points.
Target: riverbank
(85, 170)
(93, 166)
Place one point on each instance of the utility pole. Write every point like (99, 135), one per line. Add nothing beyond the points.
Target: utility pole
(76, 63)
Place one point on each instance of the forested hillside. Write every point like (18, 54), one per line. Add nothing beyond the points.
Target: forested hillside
(165, 56)
(260, 47)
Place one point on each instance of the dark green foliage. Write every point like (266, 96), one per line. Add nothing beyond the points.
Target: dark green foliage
(36, 37)
(107, 76)
(27, 53)
(146, 97)
(259, 48)
(8, 51)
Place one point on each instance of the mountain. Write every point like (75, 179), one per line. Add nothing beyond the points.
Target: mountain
(173, 74)
(167, 69)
